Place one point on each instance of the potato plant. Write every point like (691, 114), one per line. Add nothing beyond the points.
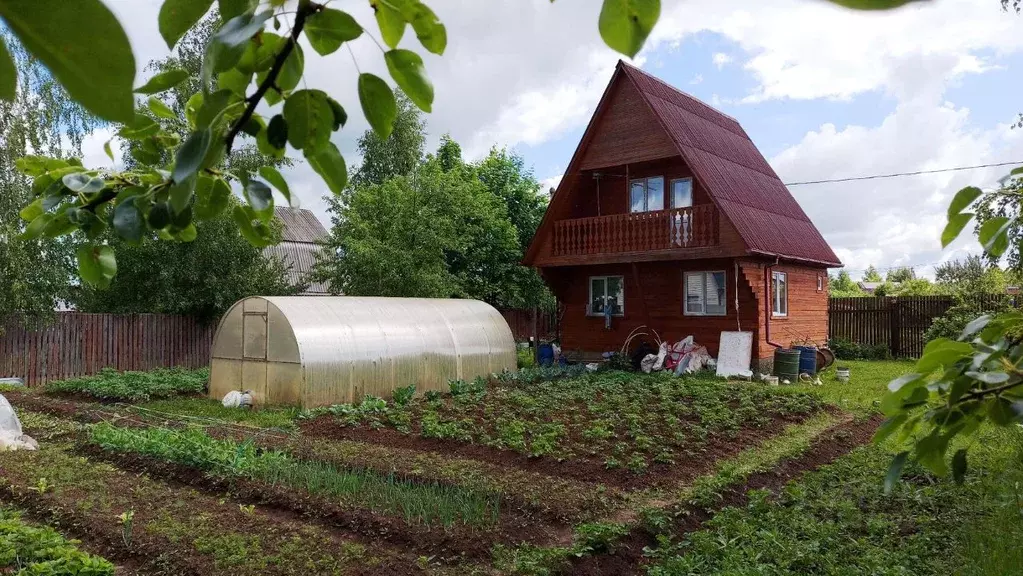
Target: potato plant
(627, 420)
(110, 385)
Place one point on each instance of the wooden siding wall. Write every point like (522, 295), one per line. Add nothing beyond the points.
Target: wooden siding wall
(898, 322)
(807, 319)
(626, 132)
(653, 297)
(79, 344)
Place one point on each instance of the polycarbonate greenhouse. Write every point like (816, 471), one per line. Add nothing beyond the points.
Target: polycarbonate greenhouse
(316, 351)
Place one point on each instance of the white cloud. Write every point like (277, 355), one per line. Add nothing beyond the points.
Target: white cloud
(93, 154)
(896, 221)
(698, 79)
(720, 59)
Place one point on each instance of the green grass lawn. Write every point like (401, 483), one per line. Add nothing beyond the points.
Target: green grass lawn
(837, 520)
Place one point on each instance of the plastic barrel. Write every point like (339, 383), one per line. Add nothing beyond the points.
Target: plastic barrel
(786, 364)
(545, 355)
(807, 359)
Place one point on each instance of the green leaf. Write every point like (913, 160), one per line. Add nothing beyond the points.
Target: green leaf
(234, 80)
(213, 104)
(309, 118)
(1001, 411)
(83, 183)
(974, 326)
(289, 77)
(31, 165)
(231, 8)
(378, 104)
(190, 155)
(8, 74)
(108, 151)
(329, 28)
(946, 355)
(32, 211)
(128, 221)
(903, 381)
(97, 265)
(260, 53)
(871, 4)
(161, 110)
(255, 233)
(390, 21)
(406, 68)
(188, 233)
(890, 426)
(36, 226)
(994, 235)
(277, 181)
(431, 33)
(1016, 171)
(227, 46)
(163, 81)
(959, 466)
(142, 127)
(178, 16)
(259, 196)
(330, 165)
(159, 216)
(954, 227)
(277, 131)
(962, 199)
(988, 377)
(340, 116)
(894, 471)
(212, 202)
(84, 48)
(625, 24)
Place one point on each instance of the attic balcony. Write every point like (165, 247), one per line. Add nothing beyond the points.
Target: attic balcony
(673, 233)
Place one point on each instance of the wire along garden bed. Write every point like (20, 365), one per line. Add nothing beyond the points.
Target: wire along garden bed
(618, 428)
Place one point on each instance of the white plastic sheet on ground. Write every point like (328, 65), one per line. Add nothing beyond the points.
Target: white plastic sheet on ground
(236, 399)
(11, 437)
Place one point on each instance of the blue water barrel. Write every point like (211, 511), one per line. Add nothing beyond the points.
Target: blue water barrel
(807, 359)
(545, 355)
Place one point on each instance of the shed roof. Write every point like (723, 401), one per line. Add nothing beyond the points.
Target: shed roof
(727, 163)
(299, 245)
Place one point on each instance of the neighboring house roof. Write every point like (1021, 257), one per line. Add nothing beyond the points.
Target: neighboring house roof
(727, 163)
(299, 245)
(869, 286)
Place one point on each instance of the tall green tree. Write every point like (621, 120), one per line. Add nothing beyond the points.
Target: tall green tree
(971, 275)
(901, 274)
(34, 273)
(843, 286)
(398, 154)
(872, 275)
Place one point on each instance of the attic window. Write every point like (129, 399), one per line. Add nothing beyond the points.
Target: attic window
(682, 193)
(646, 194)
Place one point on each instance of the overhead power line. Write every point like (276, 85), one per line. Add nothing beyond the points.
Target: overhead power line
(901, 174)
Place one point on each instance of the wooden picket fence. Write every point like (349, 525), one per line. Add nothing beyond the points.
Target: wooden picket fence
(79, 344)
(521, 323)
(898, 322)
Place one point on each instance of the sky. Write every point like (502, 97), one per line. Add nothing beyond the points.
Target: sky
(824, 92)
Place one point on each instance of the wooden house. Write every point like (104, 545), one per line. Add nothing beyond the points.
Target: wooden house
(668, 216)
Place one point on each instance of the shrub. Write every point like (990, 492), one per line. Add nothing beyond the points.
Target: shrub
(26, 549)
(951, 324)
(110, 384)
(525, 358)
(847, 350)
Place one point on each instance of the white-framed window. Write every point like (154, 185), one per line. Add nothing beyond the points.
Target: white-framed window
(606, 291)
(682, 193)
(705, 294)
(646, 194)
(820, 283)
(779, 294)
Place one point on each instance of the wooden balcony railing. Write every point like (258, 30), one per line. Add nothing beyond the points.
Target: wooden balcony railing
(674, 229)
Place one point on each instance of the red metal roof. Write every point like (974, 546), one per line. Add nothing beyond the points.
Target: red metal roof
(739, 179)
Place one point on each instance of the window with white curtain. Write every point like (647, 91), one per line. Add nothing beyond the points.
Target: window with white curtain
(705, 294)
(780, 294)
(646, 194)
(607, 291)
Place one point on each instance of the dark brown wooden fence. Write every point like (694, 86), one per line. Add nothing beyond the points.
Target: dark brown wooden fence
(521, 324)
(898, 322)
(78, 344)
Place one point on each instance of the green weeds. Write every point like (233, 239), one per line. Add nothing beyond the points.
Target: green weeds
(40, 551)
(426, 503)
(111, 385)
(262, 417)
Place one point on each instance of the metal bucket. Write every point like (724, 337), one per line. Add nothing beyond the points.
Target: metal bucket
(786, 364)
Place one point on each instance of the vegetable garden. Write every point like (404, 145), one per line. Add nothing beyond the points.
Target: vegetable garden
(542, 471)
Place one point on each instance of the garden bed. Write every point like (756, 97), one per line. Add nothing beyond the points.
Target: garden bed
(616, 428)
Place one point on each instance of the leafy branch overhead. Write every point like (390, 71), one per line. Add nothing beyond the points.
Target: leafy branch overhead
(178, 180)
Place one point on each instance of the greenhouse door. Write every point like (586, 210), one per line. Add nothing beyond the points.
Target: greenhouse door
(254, 337)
